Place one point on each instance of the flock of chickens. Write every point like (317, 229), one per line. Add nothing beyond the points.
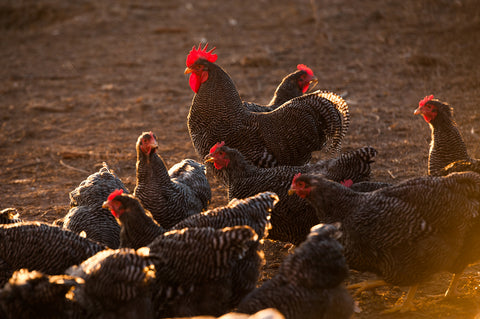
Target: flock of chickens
(159, 252)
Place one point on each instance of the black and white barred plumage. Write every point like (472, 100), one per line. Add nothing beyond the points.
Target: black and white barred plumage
(170, 195)
(42, 247)
(290, 133)
(292, 217)
(86, 213)
(309, 283)
(406, 232)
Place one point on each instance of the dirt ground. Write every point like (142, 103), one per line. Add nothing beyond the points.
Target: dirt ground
(80, 80)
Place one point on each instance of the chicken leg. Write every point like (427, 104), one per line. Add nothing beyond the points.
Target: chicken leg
(367, 285)
(405, 306)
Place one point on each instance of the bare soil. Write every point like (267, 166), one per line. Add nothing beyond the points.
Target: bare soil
(80, 80)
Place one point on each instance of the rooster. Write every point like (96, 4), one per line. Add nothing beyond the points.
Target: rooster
(403, 233)
(447, 145)
(309, 283)
(41, 247)
(170, 195)
(285, 136)
(86, 213)
(293, 85)
(292, 217)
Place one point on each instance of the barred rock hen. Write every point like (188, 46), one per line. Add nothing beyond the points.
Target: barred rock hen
(403, 233)
(170, 195)
(41, 247)
(86, 212)
(139, 229)
(117, 284)
(292, 217)
(194, 268)
(309, 283)
(447, 145)
(32, 294)
(293, 85)
(285, 136)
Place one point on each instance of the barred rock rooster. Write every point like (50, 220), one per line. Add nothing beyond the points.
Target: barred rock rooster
(447, 145)
(32, 294)
(194, 268)
(285, 136)
(170, 195)
(403, 233)
(293, 85)
(309, 283)
(41, 247)
(86, 212)
(116, 284)
(139, 229)
(292, 217)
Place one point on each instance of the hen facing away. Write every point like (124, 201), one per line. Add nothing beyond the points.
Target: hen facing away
(139, 229)
(34, 295)
(292, 217)
(293, 85)
(170, 195)
(285, 136)
(86, 212)
(195, 268)
(309, 283)
(447, 145)
(41, 247)
(403, 233)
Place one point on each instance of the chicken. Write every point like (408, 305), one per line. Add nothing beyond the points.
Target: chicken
(293, 85)
(292, 217)
(139, 229)
(285, 136)
(117, 283)
(447, 145)
(170, 195)
(9, 216)
(194, 269)
(41, 247)
(32, 294)
(86, 213)
(403, 233)
(309, 283)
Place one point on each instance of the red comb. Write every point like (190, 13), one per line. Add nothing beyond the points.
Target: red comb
(305, 68)
(295, 177)
(196, 54)
(347, 183)
(425, 100)
(114, 194)
(214, 147)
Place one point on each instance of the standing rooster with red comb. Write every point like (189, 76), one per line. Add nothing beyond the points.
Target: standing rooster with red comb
(285, 136)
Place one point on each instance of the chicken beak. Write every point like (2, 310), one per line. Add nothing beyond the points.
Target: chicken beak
(209, 159)
(417, 111)
(291, 191)
(313, 83)
(187, 71)
(106, 204)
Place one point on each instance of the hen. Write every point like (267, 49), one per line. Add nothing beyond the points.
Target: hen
(86, 212)
(293, 85)
(447, 145)
(194, 269)
(403, 233)
(116, 284)
(32, 294)
(309, 283)
(285, 136)
(292, 217)
(170, 195)
(42, 247)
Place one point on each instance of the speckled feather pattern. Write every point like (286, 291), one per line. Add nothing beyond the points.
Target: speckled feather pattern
(309, 283)
(286, 136)
(405, 232)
